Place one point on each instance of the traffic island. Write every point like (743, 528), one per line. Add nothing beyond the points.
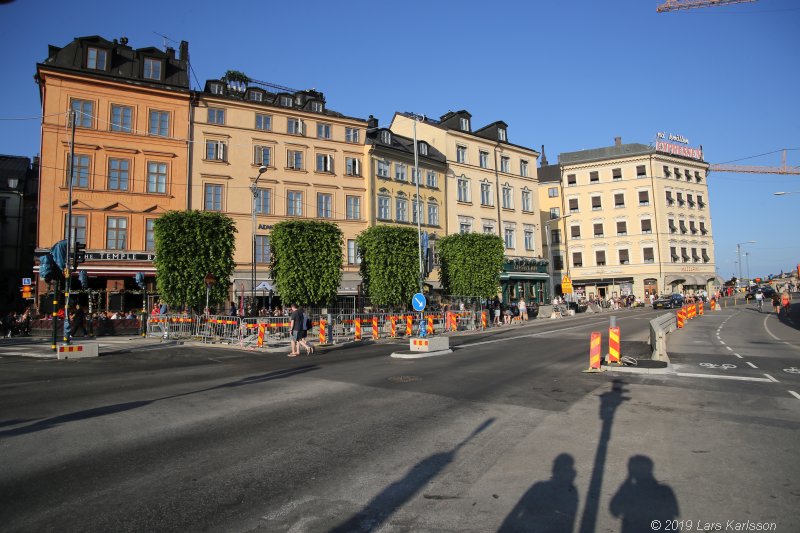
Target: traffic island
(425, 347)
(77, 351)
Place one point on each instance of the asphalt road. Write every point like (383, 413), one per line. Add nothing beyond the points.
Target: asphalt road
(505, 434)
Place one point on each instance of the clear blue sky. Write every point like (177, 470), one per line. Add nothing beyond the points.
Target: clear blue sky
(567, 74)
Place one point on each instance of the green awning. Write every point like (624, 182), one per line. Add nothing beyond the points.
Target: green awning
(506, 276)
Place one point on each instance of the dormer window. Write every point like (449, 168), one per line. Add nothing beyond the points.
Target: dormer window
(216, 88)
(423, 148)
(256, 96)
(386, 137)
(464, 124)
(501, 135)
(316, 107)
(152, 68)
(286, 101)
(96, 58)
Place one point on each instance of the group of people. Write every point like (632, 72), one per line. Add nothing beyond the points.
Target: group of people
(780, 302)
(15, 324)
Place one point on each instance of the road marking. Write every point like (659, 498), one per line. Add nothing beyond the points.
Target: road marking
(723, 343)
(729, 348)
(751, 364)
(793, 393)
(772, 379)
(792, 370)
(718, 376)
(739, 356)
(726, 366)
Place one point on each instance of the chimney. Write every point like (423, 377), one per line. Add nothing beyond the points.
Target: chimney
(617, 141)
(372, 123)
(543, 160)
(170, 52)
(123, 41)
(183, 50)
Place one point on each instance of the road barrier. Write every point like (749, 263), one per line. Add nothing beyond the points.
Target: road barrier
(700, 308)
(659, 328)
(594, 352)
(613, 346)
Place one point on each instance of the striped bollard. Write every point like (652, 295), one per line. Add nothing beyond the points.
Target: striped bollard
(484, 319)
(594, 353)
(613, 346)
(681, 317)
(430, 325)
(393, 327)
(323, 340)
(357, 323)
(700, 308)
(409, 325)
(376, 334)
(453, 322)
(261, 329)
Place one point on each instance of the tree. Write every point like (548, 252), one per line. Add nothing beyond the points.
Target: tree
(389, 264)
(189, 245)
(307, 261)
(471, 264)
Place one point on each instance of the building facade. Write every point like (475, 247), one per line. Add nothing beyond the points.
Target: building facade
(313, 159)
(131, 109)
(636, 220)
(492, 187)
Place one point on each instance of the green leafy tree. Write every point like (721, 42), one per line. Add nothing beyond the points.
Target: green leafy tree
(307, 261)
(471, 264)
(389, 264)
(189, 245)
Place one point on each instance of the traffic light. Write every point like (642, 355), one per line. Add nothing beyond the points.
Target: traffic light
(79, 256)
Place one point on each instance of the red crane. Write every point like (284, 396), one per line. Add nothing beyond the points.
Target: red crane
(783, 169)
(674, 5)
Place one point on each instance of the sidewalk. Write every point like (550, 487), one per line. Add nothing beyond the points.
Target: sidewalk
(41, 348)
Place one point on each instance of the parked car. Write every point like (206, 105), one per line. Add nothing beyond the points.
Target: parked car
(768, 292)
(668, 302)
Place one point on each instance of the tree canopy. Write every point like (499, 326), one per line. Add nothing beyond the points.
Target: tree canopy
(470, 264)
(389, 264)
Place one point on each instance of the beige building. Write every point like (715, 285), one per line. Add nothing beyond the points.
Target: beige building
(313, 158)
(492, 187)
(636, 220)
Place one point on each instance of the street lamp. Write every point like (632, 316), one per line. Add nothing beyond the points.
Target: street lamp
(254, 190)
(418, 207)
(550, 249)
(747, 263)
(739, 253)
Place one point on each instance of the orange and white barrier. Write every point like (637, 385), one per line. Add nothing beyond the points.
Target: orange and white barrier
(357, 326)
(393, 327)
(700, 308)
(375, 329)
(323, 332)
(484, 319)
(594, 352)
(681, 317)
(429, 329)
(613, 346)
(409, 325)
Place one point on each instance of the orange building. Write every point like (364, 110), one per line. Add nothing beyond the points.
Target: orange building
(130, 157)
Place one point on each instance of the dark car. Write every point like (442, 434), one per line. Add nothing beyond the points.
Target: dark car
(768, 293)
(668, 302)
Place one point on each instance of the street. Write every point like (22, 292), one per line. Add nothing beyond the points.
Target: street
(505, 434)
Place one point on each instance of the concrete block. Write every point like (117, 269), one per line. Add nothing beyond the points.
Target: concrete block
(429, 344)
(77, 351)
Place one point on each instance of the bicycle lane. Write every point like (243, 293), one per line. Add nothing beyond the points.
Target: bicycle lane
(774, 347)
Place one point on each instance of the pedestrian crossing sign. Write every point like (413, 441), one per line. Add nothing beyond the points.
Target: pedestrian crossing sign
(566, 285)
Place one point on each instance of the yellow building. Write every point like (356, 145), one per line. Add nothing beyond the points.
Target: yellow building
(313, 158)
(636, 220)
(492, 187)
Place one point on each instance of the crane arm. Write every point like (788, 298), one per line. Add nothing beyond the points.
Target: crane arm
(674, 5)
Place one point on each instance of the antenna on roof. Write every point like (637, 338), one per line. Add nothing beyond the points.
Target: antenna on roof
(166, 39)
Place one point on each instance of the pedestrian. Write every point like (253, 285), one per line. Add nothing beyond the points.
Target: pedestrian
(523, 310)
(164, 308)
(776, 303)
(785, 298)
(496, 321)
(233, 309)
(78, 321)
(298, 329)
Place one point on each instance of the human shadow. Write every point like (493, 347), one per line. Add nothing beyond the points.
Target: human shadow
(548, 506)
(95, 412)
(393, 497)
(641, 499)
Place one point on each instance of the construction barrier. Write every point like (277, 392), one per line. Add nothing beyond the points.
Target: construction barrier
(452, 321)
(357, 325)
(594, 352)
(323, 332)
(613, 346)
(376, 334)
(262, 329)
(484, 319)
(393, 327)
(713, 304)
(429, 328)
(409, 325)
(700, 308)
(681, 318)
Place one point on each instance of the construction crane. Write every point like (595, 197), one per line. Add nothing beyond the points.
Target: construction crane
(674, 5)
(746, 169)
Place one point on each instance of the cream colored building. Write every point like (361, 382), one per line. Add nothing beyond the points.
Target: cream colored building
(314, 159)
(491, 187)
(637, 220)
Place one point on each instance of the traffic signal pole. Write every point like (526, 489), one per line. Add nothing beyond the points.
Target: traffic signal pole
(68, 263)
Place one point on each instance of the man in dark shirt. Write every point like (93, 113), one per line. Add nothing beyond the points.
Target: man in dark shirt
(296, 328)
(79, 321)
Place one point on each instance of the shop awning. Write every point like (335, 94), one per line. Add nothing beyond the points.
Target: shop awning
(674, 278)
(505, 276)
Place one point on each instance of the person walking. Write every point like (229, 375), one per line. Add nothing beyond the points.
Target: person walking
(298, 322)
(776, 303)
(78, 321)
(523, 310)
(785, 299)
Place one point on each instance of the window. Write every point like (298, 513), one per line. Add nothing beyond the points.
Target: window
(323, 131)
(150, 235)
(508, 197)
(703, 229)
(619, 200)
(286, 101)
(667, 172)
(255, 96)
(121, 118)
(84, 113)
(526, 200)
(463, 189)
(464, 225)
(704, 253)
(558, 262)
(624, 258)
(600, 257)
(679, 196)
(597, 203)
(399, 172)
(386, 137)
(575, 232)
(262, 155)
(423, 148)
(486, 193)
(215, 151)
(216, 115)
(529, 238)
(684, 255)
(324, 163)
(670, 200)
(116, 233)
(416, 207)
(501, 134)
(641, 171)
(700, 201)
(152, 68)
(572, 181)
(505, 164)
(96, 58)
(384, 209)
(488, 227)
(677, 173)
(294, 203)
(464, 123)
(80, 177)
(555, 236)
(118, 174)
(294, 159)
(433, 180)
(263, 122)
(351, 135)
(552, 192)
(316, 107)
(294, 126)
(523, 168)
(573, 205)
(263, 251)
(383, 169)
(353, 254)
(671, 224)
(644, 198)
(352, 166)
(401, 209)
(648, 255)
(697, 177)
(324, 205)
(577, 259)
(594, 177)
(159, 123)
(616, 174)
(508, 237)
(688, 174)
(78, 228)
(555, 212)
(353, 208)
(213, 197)
(690, 200)
(622, 227)
(682, 224)
(433, 214)
(483, 159)
(263, 201)
(647, 226)
(598, 229)
(216, 88)
(673, 253)
(692, 227)
(461, 154)
(414, 176)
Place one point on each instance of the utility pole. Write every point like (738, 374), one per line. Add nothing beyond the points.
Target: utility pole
(70, 242)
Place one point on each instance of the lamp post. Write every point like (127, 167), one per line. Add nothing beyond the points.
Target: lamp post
(550, 250)
(747, 264)
(739, 253)
(418, 208)
(254, 190)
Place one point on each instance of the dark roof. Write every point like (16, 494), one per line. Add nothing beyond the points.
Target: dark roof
(404, 145)
(123, 62)
(15, 166)
(549, 174)
(609, 152)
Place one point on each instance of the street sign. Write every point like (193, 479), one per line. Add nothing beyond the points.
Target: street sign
(419, 301)
(26, 281)
(566, 285)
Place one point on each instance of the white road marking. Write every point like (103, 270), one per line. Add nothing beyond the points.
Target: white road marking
(739, 356)
(771, 378)
(722, 342)
(793, 393)
(751, 364)
(717, 376)
(729, 348)
(768, 331)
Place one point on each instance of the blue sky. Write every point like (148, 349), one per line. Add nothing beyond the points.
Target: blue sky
(567, 74)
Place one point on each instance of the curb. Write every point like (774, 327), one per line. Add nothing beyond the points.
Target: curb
(419, 355)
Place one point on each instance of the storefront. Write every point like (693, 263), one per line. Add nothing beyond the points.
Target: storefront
(688, 283)
(525, 278)
(605, 288)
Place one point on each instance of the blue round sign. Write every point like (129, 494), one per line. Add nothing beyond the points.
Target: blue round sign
(418, 302)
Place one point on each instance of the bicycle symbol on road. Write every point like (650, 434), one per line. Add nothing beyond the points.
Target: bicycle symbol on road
(726, 366)
(792, 370)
